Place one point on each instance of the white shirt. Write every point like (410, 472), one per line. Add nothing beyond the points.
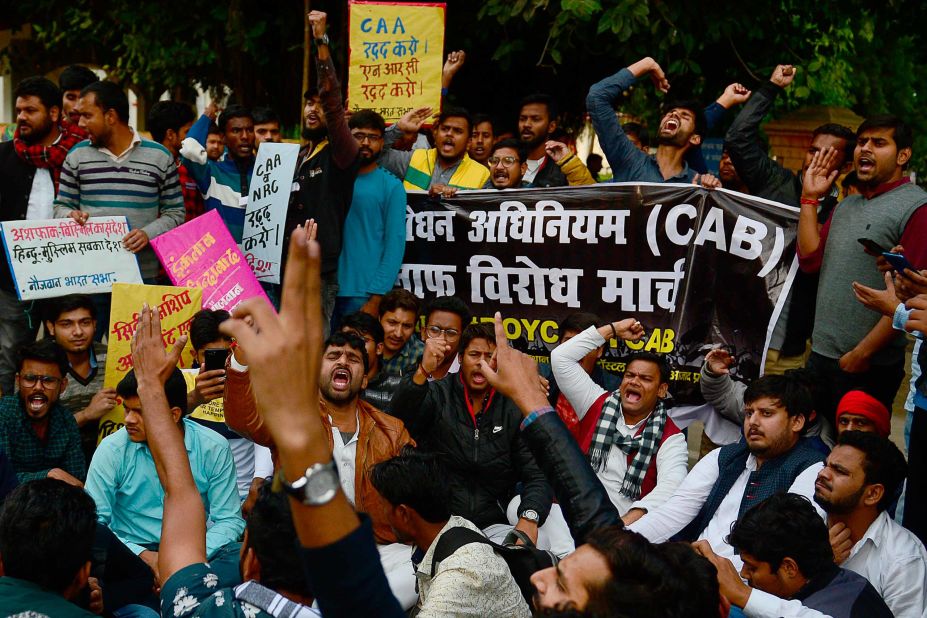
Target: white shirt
(345, 456)
(119, 158)
(893, 559)
(677, 512)
(41, 203)
(764, 605)
(582, 392)
(534, 166)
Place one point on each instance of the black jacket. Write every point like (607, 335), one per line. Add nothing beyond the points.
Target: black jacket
(550, 175)
(485, 462)
(16, 178)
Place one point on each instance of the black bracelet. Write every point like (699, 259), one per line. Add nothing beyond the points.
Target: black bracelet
(614, 332)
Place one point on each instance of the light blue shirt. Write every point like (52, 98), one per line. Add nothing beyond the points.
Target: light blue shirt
(902, 315)
(124, 484)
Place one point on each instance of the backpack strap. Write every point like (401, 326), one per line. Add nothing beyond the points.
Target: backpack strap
(452, 540)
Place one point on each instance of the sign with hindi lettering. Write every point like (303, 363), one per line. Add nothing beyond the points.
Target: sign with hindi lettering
(268, 198)
(56, 257)
(202, 254)
(698, 268)
(396, 56)
(176, 308)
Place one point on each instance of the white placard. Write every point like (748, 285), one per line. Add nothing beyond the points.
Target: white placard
(55, 257)
(265, 215)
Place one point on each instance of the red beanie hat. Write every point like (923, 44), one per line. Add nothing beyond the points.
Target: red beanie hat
(864, 404)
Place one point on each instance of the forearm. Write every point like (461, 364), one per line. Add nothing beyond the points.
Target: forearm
(575, 384)
(880, 336)
(344, 146)
(809, 234)
(576, 173)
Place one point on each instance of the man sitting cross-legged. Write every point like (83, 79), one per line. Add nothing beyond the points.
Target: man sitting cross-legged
(123, 482)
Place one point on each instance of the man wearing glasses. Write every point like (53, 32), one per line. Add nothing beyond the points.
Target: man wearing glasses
(375, 228)
(445, 319)
(38, 434)
(508, 164)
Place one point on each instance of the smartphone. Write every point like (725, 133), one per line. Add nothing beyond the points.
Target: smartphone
(898, 261)
(215, 358)
(871, 245)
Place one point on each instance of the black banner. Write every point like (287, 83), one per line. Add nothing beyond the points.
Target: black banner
(698, 268)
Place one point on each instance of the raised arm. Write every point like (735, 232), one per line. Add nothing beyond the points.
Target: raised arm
(344, 146)
(816, 183)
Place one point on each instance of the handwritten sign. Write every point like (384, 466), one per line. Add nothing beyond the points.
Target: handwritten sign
(55, 257)
(396, 56)
(176, 308)
(202, 254)
(268, 198)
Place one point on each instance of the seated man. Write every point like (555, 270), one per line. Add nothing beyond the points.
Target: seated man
(124, 483)
(860, 411)
(476, 429)
(359, 435)
(471, 581)
(71, 322)
(380, 385)
(857, 485)
(789, 566)
(639, 454)
(569, 327)
(721, 487)
(204, 397)
(46, 534)
(38, 434)
(402, 351)
(445, 318)
(508, 164)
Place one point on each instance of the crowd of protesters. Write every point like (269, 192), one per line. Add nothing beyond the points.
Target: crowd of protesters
(365, 453)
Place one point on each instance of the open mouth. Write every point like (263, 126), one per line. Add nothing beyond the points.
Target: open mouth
(341, 378)
(37, 402)
(527, 136)
(478, 378)
(865, 164)
(671, 124)
(632, 396)
(479, 150)
(500, 175)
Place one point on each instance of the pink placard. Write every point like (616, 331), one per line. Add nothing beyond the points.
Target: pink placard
(202, 254)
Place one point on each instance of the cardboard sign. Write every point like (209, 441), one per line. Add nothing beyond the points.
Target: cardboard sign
(56, 257)
(202, 254)
(265, 216)
(176, 308)
(396, 56)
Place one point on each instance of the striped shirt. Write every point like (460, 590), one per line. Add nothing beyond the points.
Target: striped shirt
(140, 184)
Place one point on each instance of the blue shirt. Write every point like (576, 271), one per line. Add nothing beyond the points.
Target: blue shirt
(628, 163)
(374, 236)
(124, 484)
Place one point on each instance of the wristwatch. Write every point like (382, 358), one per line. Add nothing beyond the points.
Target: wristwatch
(322, 40)
(316, 487)
(530, 515)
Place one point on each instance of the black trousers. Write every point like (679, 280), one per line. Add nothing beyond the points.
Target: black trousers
(915, 501)
(832, 383)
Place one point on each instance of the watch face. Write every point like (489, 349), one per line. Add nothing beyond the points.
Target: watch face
(530, 515)
(321, 487)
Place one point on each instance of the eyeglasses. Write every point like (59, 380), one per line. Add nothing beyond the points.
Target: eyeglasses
(507, 161)
(367, 137)
(450, 334)
(29, 380)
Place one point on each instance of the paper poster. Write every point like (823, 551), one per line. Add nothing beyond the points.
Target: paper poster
(265, 216)
(396, 56)
(202, 254)
(176, 308)
(56, 257)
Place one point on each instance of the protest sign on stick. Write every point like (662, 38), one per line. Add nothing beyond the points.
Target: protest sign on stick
(176, 308)
(56, 257)
(202, 254)
(265, 216)
(396, 56)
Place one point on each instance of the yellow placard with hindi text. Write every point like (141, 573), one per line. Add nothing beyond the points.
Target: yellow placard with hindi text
(396, 56)
(176, 308)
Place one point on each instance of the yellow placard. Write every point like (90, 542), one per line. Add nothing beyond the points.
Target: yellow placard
(396, 56)
(176, 308)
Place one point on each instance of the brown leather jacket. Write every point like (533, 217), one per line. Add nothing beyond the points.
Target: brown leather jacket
(380, 437)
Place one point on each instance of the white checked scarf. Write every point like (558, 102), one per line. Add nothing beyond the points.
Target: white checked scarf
(643, 446)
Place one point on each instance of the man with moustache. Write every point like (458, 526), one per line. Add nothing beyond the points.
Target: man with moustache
(375, 228)
(222, 182)
(30, 166)
(772, 458)
(537, 120)
(508, 164)
(442, 169)
(853, 346)
(360, 436)
(681, 129)
(860, 480)
(477, 430)
(37, 433)
(326, 168)
(482, 138)
(72, 81)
